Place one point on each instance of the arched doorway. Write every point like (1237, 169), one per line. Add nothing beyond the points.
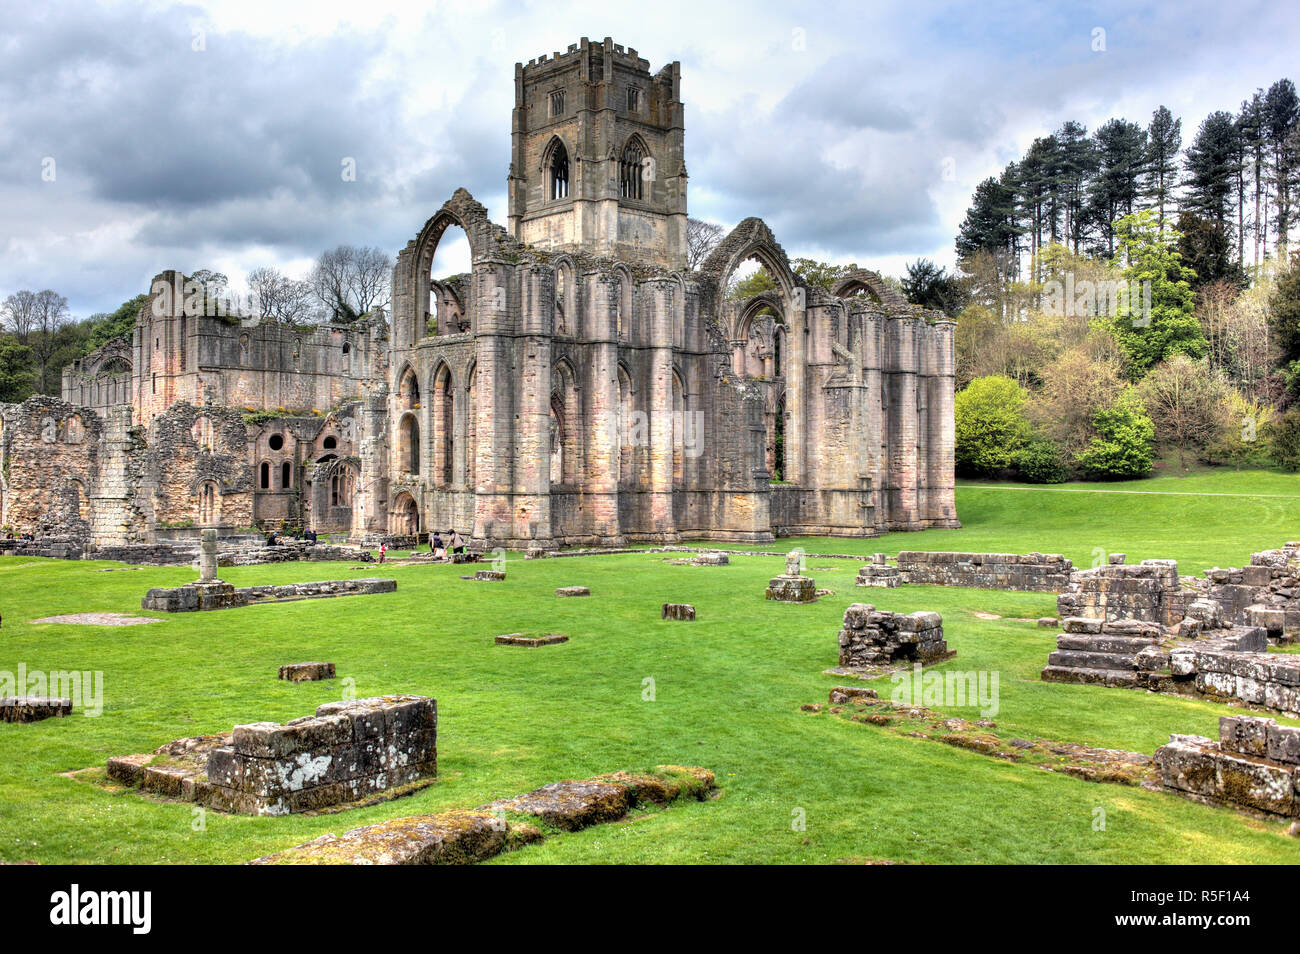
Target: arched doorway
(406, 516)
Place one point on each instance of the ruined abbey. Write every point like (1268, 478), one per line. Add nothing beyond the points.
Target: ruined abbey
(580, 386)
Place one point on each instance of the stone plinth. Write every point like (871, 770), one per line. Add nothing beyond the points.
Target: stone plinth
(194, 597)
(878, 574)
(573, 591)
(519, 639)
(711, 559)
(872, 638)
(33, 708)
(680, 611)
(491, 576)
(791, 589)
(307, 672)
(348, 751)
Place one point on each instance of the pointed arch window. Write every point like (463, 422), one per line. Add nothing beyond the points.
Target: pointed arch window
(630, 171)
(560, 172)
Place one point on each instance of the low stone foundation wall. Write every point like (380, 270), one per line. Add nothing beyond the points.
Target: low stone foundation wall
(349, 750)
(1254, 764)
(873, 637)
(169, 552)
(1030, 572)
(56, 548)
(465, 836)
(1222, 662)
(210, 596)
(33, 708)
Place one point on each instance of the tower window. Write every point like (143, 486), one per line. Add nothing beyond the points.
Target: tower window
(557, 103)
(630, 170)
(633, 100)
(560, 172)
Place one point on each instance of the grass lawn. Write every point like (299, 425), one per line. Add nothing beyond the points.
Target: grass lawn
(727, 691)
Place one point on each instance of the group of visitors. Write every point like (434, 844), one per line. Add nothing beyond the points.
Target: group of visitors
(307, 535)
(25, 536)
(438, 547)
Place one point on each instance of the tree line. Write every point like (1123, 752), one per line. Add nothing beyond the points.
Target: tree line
(1121, 298)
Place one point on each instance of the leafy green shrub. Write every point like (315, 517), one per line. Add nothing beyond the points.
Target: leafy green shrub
(1284, 440)
(1041, 462)
(990, 423)
(1123, 451)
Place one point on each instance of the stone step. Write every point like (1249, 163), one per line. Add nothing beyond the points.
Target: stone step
(1073, 659)
(1104, 644)
(1100, 677)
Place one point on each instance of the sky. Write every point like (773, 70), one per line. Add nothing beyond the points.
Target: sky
(138, 137)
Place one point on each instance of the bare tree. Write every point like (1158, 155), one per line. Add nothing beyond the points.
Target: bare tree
(349, 281)
(701, 239)
(372, 274)
(19, 313)
(50, 314)
(279, 298)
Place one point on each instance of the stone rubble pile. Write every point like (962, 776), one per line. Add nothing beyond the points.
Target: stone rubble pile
(873, 637)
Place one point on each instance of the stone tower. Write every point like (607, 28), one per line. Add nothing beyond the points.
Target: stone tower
(597, 160)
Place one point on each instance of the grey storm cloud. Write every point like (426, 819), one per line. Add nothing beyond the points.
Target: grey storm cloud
(168, 157)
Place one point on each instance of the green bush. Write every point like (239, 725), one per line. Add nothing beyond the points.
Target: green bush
(1123, 451)
(1041, 462)
(1284, 440)
(990, 424)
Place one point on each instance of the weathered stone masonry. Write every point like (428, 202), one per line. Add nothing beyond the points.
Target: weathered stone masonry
(580, 386)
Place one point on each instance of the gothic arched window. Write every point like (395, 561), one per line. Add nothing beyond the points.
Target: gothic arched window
(630, 171)
(559, 172)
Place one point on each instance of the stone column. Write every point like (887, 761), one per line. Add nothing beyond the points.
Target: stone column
(940, 460)
(208, 556)
(598, 478)
(494, 403)
(903, 476)
(532, 478)
(657, 314)
(796, 378)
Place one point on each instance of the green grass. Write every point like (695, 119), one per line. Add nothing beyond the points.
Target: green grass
(727, 694)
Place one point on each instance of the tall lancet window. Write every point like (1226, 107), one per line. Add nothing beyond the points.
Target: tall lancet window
(630, 171)
(560, 172)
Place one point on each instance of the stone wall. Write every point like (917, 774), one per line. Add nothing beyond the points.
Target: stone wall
(1034, 572)
(1212, 659)
(873, 637)
(1149, 591)
(1266, 593)
(1253, 765)
(349, 750)
(211, 596)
